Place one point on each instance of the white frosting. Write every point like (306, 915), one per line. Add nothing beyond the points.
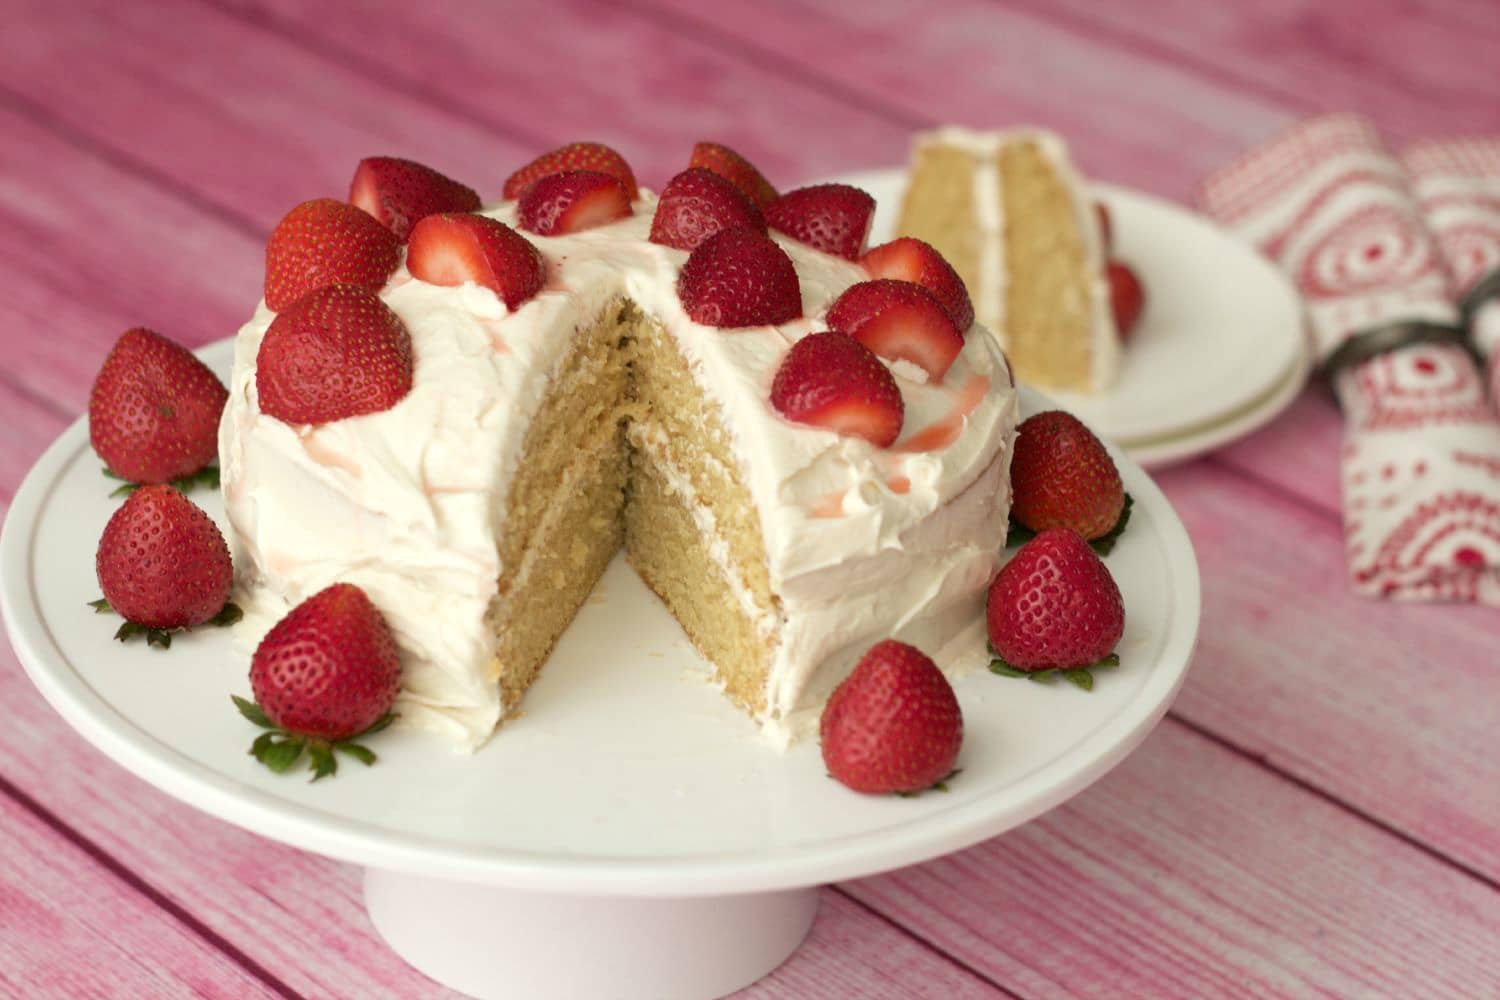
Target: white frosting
(988, 181)
(860, 542)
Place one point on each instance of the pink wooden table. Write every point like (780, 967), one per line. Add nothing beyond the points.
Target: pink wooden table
(1318, 816)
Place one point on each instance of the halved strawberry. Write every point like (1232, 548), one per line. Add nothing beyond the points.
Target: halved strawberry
(698, 203)
(452, 249)
(834, 218)
(910, 259)
(1126, 297)
(899, 320)
(593, 156)
(739, 278)
(400, 192)
(831, 380)
(1106, 226)
(735, 169)
(321, 242)
(338, 352)
(568, 202)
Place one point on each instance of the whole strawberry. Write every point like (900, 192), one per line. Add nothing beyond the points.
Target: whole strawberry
(1062, 477)
(735, 169)
(698, 203)
(322, 242)
(339, 352)
(1054, 605)
(833, 218)
(400, 193)
(162, 565)
(154, 410)
(893, 725)
(1127, 298)
(737, 278)
(324, 675)
(594, 156)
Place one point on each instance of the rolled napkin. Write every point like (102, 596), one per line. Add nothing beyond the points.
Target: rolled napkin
(1457, 185)
(1421, 456)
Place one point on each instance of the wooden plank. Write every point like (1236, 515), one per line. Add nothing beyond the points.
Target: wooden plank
(1188, 873)
(246, 137)
(94, 250)
(1387, 706)
(71, 927)
(854, 953)
(1421, 70)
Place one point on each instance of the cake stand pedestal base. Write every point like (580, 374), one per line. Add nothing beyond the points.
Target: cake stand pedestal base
(493, 943)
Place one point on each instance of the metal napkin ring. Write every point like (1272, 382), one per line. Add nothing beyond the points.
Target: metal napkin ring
(1366, 344)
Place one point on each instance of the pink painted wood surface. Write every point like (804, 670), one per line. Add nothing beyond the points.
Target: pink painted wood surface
(144, 142)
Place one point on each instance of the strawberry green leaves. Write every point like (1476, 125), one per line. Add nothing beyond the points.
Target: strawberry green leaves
(279, 750)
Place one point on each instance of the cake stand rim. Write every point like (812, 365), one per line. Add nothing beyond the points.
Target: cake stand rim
(735, 873)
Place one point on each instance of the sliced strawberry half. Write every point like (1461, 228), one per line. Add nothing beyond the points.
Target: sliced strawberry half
(910, 259)
(698, 203)
(899, 320)
(834, 218)
(399, 192)
(452, 249)
(736, 170)
(572, 201)
(831, 380)
(323, 242)
(338, 352)
(593, 156)
(739, 278)
(1126, 297)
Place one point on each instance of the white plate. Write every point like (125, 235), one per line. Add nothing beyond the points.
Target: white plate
(627, 775)
(1219, 350)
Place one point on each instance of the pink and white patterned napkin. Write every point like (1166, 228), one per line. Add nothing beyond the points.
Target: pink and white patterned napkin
(1457, 185)
(1421, 456)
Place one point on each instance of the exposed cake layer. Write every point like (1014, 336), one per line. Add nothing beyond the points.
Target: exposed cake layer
(415, 504)
(1014, 217)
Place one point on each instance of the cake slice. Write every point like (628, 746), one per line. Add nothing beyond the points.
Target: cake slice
(1011, 214)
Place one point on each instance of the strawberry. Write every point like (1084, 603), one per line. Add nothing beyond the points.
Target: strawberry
(899, 320)
(1106, 225)
(1126, 297)
(564, 203)
(337, 353)
(893, 725)
(163, 564)
(1061, 477)
(698, 203)
(324, 241)
(154, 410)
(400, 192)
(736, 170)
(831, 380)
(910, 259)
(739, 278)
(1054, 605)
(593, 156)
(834, 218)
(324, 675)
(452, 249)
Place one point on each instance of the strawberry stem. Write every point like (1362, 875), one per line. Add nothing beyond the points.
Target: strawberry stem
(207, 477)
(1019, 534)
(1080, 677)
(278, 749)
(161, 638)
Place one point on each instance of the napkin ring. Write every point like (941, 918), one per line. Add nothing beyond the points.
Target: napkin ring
(1486, 288)
(1391, 337)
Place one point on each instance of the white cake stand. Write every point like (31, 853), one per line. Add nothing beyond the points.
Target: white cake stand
(629, 836)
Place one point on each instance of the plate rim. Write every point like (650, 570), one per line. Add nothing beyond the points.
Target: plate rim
(306, 827)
